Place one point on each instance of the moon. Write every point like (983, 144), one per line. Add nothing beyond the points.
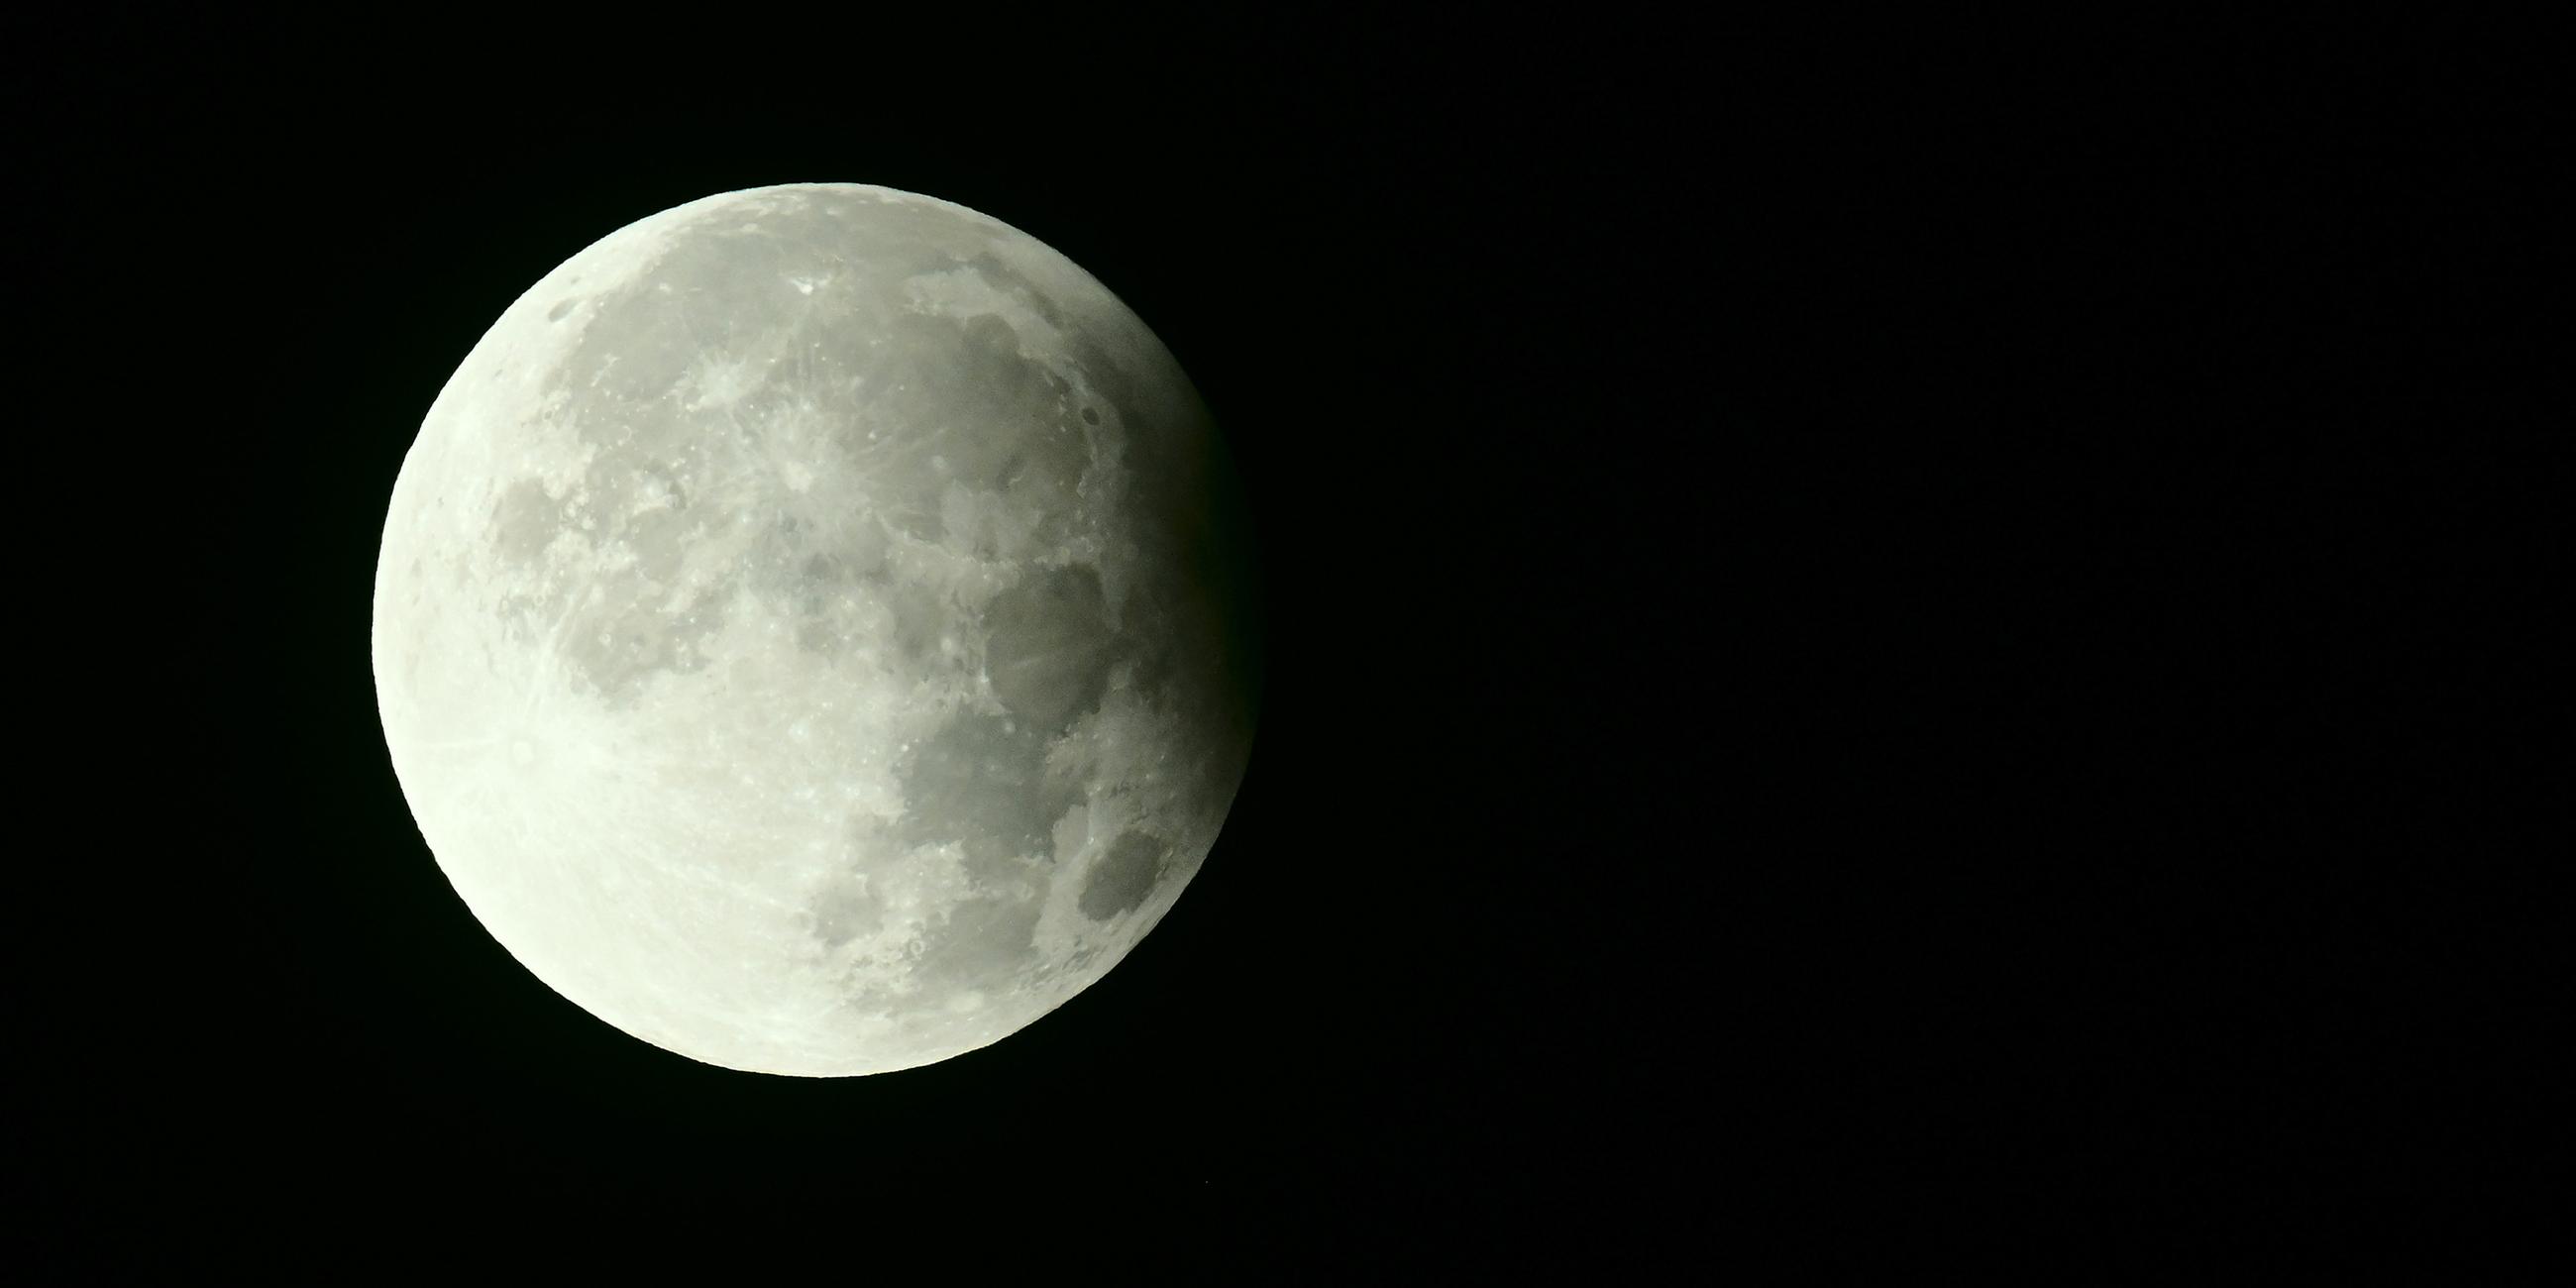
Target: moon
(811, 630)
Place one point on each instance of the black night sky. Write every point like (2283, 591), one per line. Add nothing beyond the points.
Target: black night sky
(1872, 644)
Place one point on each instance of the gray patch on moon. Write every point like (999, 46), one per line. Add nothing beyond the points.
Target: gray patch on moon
(1124, 876)
(628, 641)
(921, 617)
(525, 521)
(1016, 284)
(1051, 646)
(981, 944)
(982, 782)
(845, 912)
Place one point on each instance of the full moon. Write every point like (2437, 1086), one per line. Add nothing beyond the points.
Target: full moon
(810, 630)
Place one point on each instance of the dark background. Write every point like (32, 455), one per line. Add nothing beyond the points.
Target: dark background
(1879, 637)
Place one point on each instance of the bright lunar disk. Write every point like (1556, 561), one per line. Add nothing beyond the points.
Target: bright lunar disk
(808, 630)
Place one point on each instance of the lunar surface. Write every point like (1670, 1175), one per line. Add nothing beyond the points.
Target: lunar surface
(810, 630)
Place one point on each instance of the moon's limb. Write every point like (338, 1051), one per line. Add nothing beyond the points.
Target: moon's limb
(801, 630)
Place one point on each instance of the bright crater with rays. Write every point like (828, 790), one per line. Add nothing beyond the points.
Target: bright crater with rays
(810, 631)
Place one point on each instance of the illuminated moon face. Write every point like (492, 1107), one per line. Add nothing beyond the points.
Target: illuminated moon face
(802, 630)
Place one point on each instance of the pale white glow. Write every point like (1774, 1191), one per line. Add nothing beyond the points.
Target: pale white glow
(794, 630)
